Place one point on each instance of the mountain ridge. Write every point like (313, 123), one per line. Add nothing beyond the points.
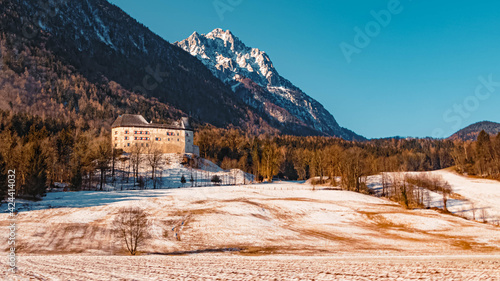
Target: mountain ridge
(472, 131)
(124, 67)
(232, 62)
(90, 60)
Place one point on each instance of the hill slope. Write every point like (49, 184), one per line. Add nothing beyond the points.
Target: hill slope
(273, 218)
(472, 131)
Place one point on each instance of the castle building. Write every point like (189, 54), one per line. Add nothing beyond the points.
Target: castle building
(130, 130)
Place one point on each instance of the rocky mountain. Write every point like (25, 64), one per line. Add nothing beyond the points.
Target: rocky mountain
(472, 131)
(89, 61)
(254, 79)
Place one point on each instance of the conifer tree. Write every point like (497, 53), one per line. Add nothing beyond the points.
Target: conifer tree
(36, 174)
(483, 150)
(3, 178)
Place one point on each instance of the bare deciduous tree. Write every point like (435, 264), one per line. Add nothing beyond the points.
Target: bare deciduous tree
(430, 182)
(446, 191)
(484, 215)
(154, 157)
(271, 160)
(103, 155)
(385, 184)
(136, 158)
(473, 210)
(301, 161)
(130, 226)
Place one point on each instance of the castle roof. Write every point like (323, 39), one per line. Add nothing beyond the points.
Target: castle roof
(137, 120)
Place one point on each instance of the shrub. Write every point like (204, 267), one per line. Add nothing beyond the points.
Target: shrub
(216, 179)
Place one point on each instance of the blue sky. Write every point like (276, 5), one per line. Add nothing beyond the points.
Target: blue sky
(429, 70)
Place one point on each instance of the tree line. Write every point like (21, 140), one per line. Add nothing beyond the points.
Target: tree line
(45, 151)
(479, 158)
(341, 162)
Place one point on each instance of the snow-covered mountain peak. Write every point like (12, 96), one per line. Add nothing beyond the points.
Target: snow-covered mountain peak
(221, 34)
(222, 51)
(235, 63)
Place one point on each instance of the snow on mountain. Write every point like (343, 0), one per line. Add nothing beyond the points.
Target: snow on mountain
(228, 57)
(230, 60)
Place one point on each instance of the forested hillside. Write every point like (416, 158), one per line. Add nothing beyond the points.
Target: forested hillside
(88, 62)
(471, 132)
(293, 157)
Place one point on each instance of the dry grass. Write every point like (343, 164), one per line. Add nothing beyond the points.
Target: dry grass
(259, 223)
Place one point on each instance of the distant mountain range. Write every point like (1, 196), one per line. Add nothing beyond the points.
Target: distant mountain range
(254, 79)
(471, 132)
(88, 61)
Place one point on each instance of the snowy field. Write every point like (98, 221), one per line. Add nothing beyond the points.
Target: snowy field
(477, 199)
(261, 218)
(171, 171)
(233, 267)
(284, 230)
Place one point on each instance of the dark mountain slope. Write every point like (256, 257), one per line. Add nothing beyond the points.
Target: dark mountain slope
(88, 61)
(99, 45)
(472, 131)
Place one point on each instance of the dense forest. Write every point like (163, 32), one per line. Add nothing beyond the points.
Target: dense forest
(44, 151)
(293, 157)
